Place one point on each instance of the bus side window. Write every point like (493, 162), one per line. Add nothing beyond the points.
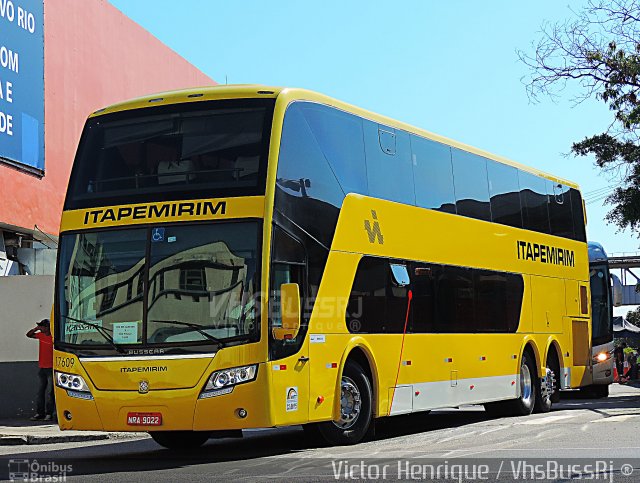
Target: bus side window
(491, 301)
(377, 303)
(455, 300)
(389, 171)
(339, 137)
(560, 217)
(433, 175)
(505, 194)
(533, 196)
(424, 297)
(577, 212)
(471, 185)
(288, 266)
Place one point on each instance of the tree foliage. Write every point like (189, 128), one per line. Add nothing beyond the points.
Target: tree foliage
(633, 316)
(598, 50)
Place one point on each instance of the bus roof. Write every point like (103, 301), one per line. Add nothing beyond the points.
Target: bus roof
(596, 252)
(287, 95)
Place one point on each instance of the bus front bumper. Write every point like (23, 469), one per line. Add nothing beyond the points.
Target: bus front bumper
(603, 372)
(246, 406)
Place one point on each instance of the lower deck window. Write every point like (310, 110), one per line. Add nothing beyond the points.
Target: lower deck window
(446, 299)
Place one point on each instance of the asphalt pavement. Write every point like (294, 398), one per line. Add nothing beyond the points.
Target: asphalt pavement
(570, 441)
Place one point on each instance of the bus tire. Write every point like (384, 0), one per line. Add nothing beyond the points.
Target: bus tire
(356, 408)
(548, 386)
(180, 439)
(545, 390)
(524, 404)
(557, 374)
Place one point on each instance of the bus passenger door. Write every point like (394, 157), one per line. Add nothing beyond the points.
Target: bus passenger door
(289, 355)
(290, 387)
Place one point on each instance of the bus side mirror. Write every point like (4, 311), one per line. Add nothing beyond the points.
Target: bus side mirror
(290, 310)
(617, 291)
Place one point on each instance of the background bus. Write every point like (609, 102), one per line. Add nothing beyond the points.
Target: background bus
(605, 294)
(239, 257)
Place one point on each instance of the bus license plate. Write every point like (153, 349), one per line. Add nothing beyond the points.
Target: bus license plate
(144, 419)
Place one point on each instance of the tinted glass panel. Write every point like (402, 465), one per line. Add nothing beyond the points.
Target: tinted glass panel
(498, 301)
(210, 149)
(600, 304)
(533, 196)
(96, 272)
(287, 266)
(433, 175)
(505, 194)
(209, 277)
(286, 248)
(320, 160)
(424, 303)
(376, 304)
(339, 137)
(389, 174)
(560, 216)
(471, 186)
(446, 299)
(307, 190)
(577, 212)
(158, 282)
(455, 299)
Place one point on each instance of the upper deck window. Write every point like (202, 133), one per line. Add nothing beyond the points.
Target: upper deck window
(183, 151)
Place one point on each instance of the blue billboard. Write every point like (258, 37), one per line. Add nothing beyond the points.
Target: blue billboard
(22, 83)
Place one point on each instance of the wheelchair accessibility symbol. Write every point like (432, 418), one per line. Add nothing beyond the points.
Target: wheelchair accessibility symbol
(157, 235)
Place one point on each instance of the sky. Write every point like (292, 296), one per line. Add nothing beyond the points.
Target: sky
(447, 67)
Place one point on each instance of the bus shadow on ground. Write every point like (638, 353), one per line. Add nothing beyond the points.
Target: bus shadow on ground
(264, 452)
(578, 402)
(258, 449)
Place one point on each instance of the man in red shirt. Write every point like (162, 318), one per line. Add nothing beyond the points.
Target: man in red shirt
(45, 402)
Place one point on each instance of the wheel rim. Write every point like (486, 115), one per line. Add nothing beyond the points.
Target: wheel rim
(526, 386)
(350, 403)
(547, 386)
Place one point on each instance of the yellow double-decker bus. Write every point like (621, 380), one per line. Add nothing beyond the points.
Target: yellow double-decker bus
(241, 257)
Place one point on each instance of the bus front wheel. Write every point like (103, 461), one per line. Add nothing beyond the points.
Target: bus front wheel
(356, 403)
(180, 439)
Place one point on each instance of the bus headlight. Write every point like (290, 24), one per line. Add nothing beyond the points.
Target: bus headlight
(222, 382)
(601, 357)
(72, 383)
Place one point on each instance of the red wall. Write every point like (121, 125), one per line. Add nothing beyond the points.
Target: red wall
(94, 56)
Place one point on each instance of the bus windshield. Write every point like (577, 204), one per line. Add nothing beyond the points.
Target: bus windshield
(162, 286)
(183, 151)
(601, 304)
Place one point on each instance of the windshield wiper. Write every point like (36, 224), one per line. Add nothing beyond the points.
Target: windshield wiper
(197, 327)
(101, 330)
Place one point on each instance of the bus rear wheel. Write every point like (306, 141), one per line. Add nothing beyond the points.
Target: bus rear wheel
(524, 404)
(546, 390)
(180, 439)
(548, 386)
(356, 404)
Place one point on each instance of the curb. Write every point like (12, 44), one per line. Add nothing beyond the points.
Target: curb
(16, 440)
(23, 439)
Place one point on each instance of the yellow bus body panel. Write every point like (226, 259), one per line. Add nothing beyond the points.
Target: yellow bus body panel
(163, 212)
(409, 372)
